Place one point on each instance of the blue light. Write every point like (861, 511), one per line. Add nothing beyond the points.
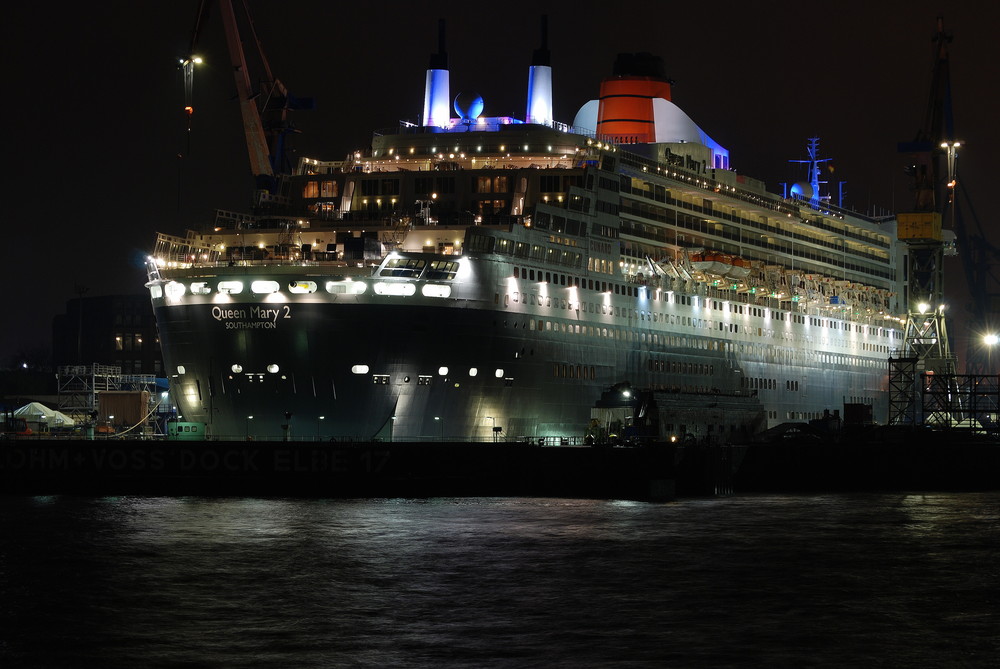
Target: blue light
(468, 105)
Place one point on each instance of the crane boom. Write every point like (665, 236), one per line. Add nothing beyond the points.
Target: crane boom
(264, 110)
(253, 126)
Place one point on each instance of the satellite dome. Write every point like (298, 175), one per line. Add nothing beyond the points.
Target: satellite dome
(802, 190)
(468, 105)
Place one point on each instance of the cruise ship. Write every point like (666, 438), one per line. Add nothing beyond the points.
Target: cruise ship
(472, 277)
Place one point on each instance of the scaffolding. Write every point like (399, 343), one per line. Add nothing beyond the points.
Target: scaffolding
(80, 385)
(903, 391)
(916, 397)
(968, 401)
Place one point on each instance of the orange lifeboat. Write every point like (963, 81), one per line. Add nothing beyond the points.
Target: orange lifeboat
(739, 268)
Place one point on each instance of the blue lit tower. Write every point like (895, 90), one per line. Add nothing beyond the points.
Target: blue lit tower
(540, 82)
(437, 93)
(810, 192)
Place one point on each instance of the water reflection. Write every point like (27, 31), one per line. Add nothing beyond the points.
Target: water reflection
(499, 582)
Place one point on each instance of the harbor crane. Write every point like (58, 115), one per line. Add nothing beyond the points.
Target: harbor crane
(939, 193)
(925, 335)
(936, 225)
(264, 107)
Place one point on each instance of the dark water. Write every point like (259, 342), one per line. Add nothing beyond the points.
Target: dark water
(763, 581)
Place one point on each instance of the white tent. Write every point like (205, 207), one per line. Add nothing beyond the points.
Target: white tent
(36, 412)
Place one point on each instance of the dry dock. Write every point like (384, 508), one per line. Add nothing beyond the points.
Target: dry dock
(877, 461)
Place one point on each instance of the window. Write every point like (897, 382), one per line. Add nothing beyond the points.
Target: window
(441, 270)
(423, 185)
(549, 184)
(403, 267)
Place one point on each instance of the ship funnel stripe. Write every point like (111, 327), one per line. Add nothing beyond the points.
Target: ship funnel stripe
(627, 95)
(626, 120)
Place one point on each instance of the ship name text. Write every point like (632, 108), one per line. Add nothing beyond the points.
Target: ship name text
(254, 318)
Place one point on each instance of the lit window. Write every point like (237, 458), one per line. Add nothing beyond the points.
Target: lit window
(273, 368)
(346, 287)
(156, 292)
(300, 287)
(200, 288)
(473, 371)
(230, 287)
(264, 287)
(180, 369)
(442, 371)
(498, 374)
(359, 369)
(435, 290)
(174, 291)
(403, 289)
(237, 368)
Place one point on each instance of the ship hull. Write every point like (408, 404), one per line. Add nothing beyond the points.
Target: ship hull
(498, 355)
(429, 373)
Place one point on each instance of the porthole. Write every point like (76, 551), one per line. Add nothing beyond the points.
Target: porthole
(264, 287)
(301, 287)
(174, 290)
(230, 287)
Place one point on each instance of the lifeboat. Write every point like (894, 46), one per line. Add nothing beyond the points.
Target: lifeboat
(739, 268)
(711, 262)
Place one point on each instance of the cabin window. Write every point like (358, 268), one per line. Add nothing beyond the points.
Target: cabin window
(403, 267)
(230, 287)
(435, 290)
(442, 270)
(346, 287)
(264, 287)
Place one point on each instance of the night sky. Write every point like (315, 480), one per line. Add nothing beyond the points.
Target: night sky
(94, 107)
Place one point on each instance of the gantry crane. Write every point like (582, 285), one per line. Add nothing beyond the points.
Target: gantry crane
(926, 335)
(927, 367)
